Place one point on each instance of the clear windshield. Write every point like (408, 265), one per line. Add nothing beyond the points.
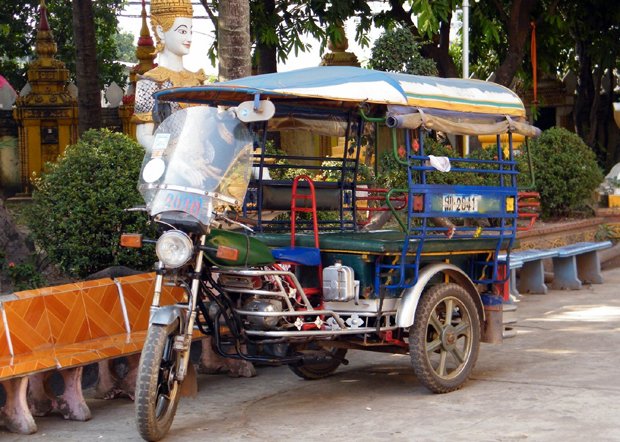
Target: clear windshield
(200, 160)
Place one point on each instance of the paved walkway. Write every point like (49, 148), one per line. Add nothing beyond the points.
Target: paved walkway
(558, 379)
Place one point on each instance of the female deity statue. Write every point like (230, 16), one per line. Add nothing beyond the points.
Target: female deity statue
(171, 21)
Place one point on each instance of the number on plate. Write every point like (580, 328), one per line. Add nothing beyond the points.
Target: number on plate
(460, 203)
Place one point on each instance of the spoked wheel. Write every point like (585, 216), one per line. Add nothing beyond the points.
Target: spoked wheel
(157, 387)
(320, 369)
(444, 338)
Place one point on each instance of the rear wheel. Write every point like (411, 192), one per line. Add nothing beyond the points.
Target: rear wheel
(321, 368)
(444, 338)
(157, 387)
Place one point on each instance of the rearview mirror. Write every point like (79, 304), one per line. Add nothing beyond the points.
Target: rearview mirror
(247, 113)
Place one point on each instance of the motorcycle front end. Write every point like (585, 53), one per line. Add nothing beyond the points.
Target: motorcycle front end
(198, 166)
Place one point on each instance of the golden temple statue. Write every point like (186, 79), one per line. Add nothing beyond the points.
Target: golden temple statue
(171, 22)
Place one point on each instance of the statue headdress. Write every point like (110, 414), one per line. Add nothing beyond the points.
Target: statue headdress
(164, 12)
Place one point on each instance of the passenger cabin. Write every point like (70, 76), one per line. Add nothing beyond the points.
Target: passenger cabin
(356, 125)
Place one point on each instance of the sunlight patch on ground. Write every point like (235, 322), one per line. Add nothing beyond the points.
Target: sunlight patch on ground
(553, 351)
(599, 313)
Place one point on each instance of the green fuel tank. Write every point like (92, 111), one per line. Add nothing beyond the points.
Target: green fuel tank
(233, 249)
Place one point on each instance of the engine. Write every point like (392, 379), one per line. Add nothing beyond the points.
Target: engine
(266, 307)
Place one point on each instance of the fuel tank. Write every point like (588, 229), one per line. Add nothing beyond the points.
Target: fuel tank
(250, 252)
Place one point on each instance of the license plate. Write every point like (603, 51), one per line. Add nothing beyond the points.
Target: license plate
(460, 203)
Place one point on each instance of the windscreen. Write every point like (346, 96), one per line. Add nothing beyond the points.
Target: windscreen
(200, 160)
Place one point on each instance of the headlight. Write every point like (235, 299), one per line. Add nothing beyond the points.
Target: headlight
(174, 248)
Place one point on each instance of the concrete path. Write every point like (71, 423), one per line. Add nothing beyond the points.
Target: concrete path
(557, 380)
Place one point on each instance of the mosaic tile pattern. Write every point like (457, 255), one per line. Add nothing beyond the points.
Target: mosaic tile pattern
(75, 324)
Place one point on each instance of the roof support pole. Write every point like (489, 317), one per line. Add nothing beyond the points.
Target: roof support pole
(465, 60)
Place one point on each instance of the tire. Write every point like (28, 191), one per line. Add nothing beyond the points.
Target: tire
(319, 370)
(157, 390)
(444, 350)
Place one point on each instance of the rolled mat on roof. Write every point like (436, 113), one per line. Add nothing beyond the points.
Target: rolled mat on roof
(463, 126)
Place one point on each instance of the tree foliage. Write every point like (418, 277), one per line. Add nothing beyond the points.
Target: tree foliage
(578, 36)
(18, 22)
(596, 51)
(502, 30)
(126, 48)
(282, 28)
(398, 51)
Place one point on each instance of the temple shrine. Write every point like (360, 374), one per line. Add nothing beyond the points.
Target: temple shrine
(47, 114)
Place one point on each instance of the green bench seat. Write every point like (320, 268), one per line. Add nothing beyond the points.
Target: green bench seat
(377, 242)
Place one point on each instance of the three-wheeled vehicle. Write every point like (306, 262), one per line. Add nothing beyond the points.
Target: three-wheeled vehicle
(263, 210)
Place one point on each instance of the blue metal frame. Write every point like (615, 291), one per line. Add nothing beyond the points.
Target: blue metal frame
(418, 231)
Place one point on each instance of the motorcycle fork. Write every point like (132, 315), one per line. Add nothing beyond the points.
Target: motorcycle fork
(186, 338)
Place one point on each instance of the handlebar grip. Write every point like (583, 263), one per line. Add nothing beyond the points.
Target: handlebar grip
(242, 219)
(249, 221)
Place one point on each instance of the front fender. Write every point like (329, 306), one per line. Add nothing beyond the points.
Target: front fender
(167, 314)
(411, 296)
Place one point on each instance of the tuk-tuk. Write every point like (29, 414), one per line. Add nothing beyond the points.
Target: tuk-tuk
(290, 254)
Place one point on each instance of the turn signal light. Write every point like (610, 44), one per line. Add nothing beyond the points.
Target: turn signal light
(510, 204)
(227, 253)
(133, 240)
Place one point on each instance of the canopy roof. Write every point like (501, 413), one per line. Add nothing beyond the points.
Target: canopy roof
(467, 107)
(357, 85)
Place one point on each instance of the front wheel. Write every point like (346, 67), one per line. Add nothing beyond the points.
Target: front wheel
(444, 338)
(157, 387)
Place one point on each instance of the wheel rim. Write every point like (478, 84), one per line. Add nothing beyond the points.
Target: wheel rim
(449, 342)
(167, 384)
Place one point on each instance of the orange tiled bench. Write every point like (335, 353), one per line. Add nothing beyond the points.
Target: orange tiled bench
(64, 328)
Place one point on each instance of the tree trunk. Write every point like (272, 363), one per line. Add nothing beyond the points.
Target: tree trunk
(233, 49)
(89, 95)
(590, 138)
(266, 58)
(442, 58)
(607, 118)
(265, 55)
(585, 88)
(518, 31)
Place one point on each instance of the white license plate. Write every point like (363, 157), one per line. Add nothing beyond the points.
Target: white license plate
(460, 203)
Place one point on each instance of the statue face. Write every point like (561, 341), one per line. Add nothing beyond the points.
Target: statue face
(178, 38)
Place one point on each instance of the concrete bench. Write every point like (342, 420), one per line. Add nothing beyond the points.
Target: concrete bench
(64, 328)
(578, 263)
(532, 275)
(572, 265)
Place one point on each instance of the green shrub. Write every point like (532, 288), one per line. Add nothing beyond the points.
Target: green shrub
(24, 276)
(566, 172)
(77, 212)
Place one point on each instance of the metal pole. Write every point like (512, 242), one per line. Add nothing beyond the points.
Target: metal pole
(465, 60)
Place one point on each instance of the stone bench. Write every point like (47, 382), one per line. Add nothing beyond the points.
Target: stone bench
(532, 274)
(64, 328)
(577, 263)
(572, 265)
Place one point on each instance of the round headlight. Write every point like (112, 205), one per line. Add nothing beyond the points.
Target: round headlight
(174, 248)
